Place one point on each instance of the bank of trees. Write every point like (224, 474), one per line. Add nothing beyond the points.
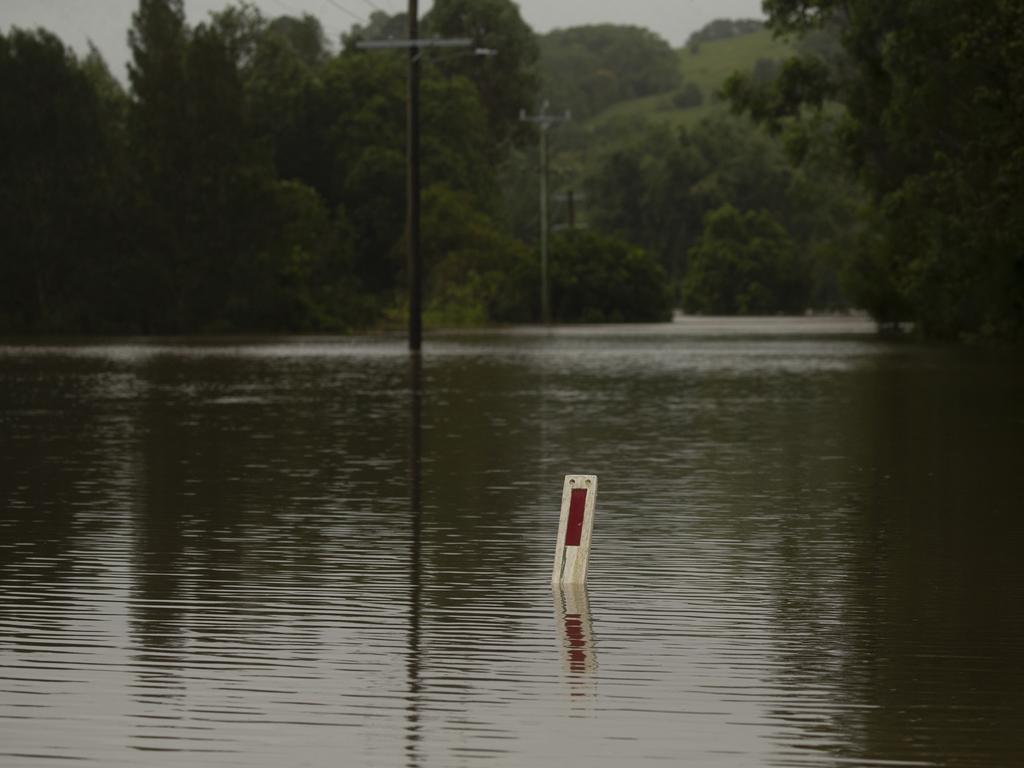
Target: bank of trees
(251, 177)
(688, 197)
(248, 177)
(933, 98)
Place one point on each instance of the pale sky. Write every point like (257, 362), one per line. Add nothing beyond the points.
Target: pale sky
(106, 22)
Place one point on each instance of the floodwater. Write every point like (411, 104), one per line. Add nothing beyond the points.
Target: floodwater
(808, 550)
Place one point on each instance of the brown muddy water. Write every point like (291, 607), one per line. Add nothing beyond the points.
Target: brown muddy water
(808, 550)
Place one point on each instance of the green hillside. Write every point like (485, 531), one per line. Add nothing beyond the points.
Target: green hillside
(707, 66)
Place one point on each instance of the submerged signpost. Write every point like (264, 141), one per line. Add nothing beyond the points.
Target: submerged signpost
(572, 547)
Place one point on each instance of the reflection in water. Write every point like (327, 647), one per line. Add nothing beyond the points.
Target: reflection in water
(415, 563)
(314, 551)
(576, 636)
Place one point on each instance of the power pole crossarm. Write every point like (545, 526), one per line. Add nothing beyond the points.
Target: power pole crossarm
(420, 42)
(414, 44)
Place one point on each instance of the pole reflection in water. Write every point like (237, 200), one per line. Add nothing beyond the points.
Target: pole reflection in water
(413, 726)
(575, 632)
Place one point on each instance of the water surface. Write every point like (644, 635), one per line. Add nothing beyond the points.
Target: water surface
(268, 552)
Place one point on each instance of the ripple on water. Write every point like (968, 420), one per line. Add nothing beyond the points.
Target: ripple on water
(807, 551)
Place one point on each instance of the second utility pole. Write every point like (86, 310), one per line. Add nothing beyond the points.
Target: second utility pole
(544, 121)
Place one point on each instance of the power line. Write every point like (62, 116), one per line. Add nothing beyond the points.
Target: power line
(346, 11)
(375, 6)
(544, 120)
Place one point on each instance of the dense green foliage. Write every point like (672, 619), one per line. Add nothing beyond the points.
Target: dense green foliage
(934, 99)
(478, 273)
(251, 177)
(58, 161)
(598, 279)
(658, 190)
(505, 81)
(248, 178)
(744, 264)
(586, 69)
(705, 68)
(723, 29)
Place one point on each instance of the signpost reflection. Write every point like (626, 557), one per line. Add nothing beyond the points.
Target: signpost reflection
(575, 633)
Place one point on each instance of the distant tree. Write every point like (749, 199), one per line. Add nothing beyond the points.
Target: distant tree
(723, 29)
(58, 218)
(588, 68)
(303, 35)
(159, 129)
(283, 83)
(379, 26)
(300, 275)
(688, 96)
(357, 123)
(475, 272)
(744, 264)
(210, 239)
(507, 81)
(931, 128)
(655, 190)
(801, 83)
(597, 278)
(765, 70)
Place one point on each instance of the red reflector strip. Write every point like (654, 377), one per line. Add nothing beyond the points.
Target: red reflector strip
(574, 529)
(574, 631)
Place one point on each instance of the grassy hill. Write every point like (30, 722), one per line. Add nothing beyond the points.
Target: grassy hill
(578, 147)
(707, 66)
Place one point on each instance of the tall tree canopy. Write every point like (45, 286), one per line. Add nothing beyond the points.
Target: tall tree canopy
(506, 81)
(934, 98)
(56, 153)
(250, 177)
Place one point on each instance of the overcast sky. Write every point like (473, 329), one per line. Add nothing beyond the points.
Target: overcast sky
(106, 22)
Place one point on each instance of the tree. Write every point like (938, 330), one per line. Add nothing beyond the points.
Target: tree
(507, 81)
(285, 95)
(359, 129)
(596, 278)
(379, 26)
(163, 168)
(589, 68)
(933, 99)
(722, 29)
(57, 226)
(688, 96)
(212, 236)
(744, 264)
(300, 274)
(304, 36)
(656, 190)
(475, 272)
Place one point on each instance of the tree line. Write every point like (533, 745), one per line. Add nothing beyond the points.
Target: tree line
(250, 178)
(932, 102)
(250, 175)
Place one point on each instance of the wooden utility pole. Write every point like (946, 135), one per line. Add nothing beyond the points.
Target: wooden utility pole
(414, 264)
(544, 121)
(413, 185)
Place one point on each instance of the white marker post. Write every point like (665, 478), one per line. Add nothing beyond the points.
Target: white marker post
(572, 548)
